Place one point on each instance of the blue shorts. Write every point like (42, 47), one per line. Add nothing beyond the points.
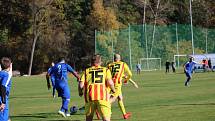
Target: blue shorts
(188, 74)
(64, 91)
(4, 115)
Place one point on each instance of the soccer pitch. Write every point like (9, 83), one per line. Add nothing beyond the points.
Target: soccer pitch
(160, 97)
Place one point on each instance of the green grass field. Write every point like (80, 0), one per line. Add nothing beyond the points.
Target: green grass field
(160, 97)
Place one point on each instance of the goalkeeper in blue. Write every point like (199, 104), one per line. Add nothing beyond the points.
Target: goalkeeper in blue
(5, 80)
(188, 69)
(59, 72)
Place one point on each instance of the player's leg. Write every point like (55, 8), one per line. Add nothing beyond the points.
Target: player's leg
(53, 92)
(89, 111)
(53, 86)
(126, 115)
(188, 78)
(120, 102)
(104, 109)
(62, 92)
(66, 100)
(89, 118)
(98, 115)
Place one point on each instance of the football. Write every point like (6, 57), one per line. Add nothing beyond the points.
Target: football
(73, 109)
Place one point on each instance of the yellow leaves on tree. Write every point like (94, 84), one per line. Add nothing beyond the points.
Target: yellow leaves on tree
(103, 19)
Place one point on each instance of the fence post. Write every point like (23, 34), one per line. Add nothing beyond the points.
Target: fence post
(176, 33)
(129, 42)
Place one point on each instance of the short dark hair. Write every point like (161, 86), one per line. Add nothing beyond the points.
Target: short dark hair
(96, 59)
(5, 62)
(191, 58)
(61, 59)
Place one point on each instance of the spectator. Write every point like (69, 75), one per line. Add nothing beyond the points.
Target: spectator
(167, 66)
(210, 65)
(204, 65)
(173, 66)
(138, 68)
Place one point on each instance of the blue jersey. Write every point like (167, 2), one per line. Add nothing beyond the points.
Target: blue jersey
(59, 71)
(51, 74)
(5, 80)
(189, 66)
(49, 71)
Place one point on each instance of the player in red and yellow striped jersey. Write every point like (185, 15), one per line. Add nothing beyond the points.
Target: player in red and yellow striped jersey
(95, 81)
(118, 70)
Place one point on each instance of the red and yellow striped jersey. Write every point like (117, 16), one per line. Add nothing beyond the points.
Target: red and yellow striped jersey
(118, 70)
(95, 83)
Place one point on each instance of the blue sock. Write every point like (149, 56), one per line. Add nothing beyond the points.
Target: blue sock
(65, 104)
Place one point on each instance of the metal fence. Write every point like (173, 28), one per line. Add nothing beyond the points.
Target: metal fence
(149, 41)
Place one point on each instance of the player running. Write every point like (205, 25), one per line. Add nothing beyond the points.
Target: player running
(5, 79)
(59, 72)
(96, 82)
(188, 69)
(52, 79)
(118, 70)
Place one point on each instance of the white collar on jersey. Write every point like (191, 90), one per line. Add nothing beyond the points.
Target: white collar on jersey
(63, 61)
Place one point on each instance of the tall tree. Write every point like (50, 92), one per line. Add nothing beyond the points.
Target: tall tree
(48, 25)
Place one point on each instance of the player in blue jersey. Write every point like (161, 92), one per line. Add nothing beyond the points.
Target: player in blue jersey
(59, 72)
(52, 79)
(5, 80)
(188, 69)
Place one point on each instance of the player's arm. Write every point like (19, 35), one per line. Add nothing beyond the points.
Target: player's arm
(71, 70)
(110, 81)
(130, 80)
(81, 84)
(133, 82)
(80, 88)
(3, 97)
(3, 86)
(47, 78)
(3, 94)
(185, 70)
(128, 72)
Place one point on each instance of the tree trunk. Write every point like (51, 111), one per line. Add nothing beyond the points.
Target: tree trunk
(32, 53)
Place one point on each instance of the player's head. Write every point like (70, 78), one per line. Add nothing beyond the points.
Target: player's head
(117, 57)
(191, 59)
(61, 59)
(96, 59)
(5, 63)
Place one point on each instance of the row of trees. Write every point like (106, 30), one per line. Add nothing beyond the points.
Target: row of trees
(36, 32)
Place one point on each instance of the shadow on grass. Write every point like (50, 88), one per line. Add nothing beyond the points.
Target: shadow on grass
(153, 86)
(29, 116)
(29, 97)
(63, 120)
(189, 104)
(199, 104)
(112, 119)
(43, 116)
